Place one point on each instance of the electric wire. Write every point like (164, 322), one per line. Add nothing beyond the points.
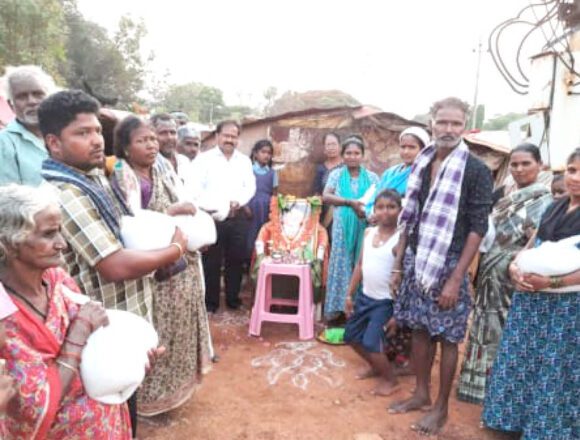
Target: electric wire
(517, 80)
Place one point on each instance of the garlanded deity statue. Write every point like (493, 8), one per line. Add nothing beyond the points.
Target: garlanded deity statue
(294, 235)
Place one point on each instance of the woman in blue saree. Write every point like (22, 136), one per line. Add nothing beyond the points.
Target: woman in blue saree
(411, 141)
(345, 186)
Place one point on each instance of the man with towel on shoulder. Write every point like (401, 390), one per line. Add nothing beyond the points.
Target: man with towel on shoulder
(444, 220)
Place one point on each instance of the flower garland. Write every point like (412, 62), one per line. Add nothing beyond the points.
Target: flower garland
(306, 232)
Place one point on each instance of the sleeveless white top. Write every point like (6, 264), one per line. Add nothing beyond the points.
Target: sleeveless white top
(377, 263)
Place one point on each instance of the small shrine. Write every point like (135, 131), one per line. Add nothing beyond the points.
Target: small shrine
(294, 235)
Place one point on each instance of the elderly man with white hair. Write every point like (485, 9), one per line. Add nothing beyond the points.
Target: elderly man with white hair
(188, 142)
(22, 149)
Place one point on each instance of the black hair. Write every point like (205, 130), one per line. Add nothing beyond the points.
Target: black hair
(529, 148)
(223, 124)
(353, 139)
(390, 194)
(574, 156)
(57, 111)
(258, 146)
(557, 178)
(333, 134)
(122, 134)
(161, 117)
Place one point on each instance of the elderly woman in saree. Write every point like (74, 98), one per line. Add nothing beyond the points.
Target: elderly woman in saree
(515, 218)
(147, 181)
(45, 330)
(345, 186)
(532, 391)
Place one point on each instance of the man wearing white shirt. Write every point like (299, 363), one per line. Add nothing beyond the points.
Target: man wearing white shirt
(188, 143)
(222, 176)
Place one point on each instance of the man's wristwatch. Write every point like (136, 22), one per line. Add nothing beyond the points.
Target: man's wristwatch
(556, 282)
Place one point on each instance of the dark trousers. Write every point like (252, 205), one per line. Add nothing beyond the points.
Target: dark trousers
(230, 249)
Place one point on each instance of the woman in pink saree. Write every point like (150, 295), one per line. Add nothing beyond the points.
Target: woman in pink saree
(45, 330)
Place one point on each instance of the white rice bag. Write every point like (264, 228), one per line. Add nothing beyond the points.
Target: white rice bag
(552, 258)
(199, 228)
(147, 230)
(115, 356)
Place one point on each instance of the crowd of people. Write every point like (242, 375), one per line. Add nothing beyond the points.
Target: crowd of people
(401, 248)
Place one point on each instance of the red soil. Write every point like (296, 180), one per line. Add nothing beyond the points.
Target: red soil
(236, 401)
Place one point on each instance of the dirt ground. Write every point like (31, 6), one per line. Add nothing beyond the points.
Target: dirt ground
(277, 387)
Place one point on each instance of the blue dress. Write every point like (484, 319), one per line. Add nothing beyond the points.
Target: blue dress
(341, 262)
(394, 178)
(266, 181)
(534, 386)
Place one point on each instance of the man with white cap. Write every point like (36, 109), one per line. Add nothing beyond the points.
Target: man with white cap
(188, 144)
(188, 141)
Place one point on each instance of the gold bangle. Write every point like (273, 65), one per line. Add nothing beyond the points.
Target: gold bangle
(67, 366)
(179, 247)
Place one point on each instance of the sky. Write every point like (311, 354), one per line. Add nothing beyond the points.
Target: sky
(398, 55)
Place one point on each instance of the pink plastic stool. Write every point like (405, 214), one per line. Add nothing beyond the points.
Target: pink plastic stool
(264, 301)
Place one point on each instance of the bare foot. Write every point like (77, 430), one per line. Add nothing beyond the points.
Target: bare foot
(432, 422)
(366, 373)
(414, 403)
(386, 388)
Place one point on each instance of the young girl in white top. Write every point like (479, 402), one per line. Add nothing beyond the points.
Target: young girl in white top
(373, 307)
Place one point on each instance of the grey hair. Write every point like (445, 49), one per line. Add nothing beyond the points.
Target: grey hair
(28, 72)
(18, 206)
(450, 102)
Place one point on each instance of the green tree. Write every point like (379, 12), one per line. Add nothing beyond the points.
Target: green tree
(501, 122)
(110, 69)
(239, 112)
(479, 116)
(182, 97)
(31, 32)
(270, 95)
(212, 106)
(201, 102)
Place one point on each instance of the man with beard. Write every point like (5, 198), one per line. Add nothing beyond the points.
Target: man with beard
(166, 131)
(223, 176)
(445, 218)
(22, 149)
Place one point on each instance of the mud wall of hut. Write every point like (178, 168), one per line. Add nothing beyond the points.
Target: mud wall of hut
(298, 150)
